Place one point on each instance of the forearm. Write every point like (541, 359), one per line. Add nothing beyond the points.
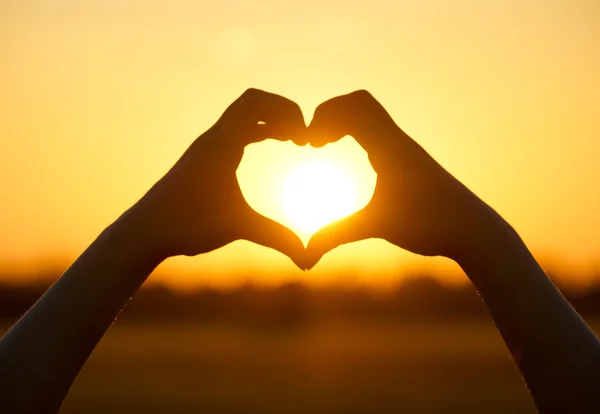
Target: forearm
(43, 352)
(556, 351)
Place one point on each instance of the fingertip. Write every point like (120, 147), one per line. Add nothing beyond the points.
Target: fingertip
(299, 260)
(294, 249)
(300, 138)
(312, 259)
(315, 137)
(314, 252)
(319, 134)
(299, 142)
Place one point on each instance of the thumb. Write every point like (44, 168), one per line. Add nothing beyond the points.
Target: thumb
(269, 233)
(346, 230)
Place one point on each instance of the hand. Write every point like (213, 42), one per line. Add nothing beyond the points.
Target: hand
(198, 206)
(417, 205)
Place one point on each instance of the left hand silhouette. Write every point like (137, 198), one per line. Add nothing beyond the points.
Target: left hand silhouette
(198, 206)
(417, 205)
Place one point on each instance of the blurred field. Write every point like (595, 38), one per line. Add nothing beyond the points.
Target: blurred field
(424, 368)
(425, 348)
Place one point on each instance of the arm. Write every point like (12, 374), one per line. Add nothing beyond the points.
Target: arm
(196, 208)
(419, 206)
(42, 354)
(557, 353)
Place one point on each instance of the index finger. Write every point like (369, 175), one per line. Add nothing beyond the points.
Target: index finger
(267, 115)
(357, 114)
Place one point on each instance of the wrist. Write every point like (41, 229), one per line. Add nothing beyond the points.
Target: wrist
(488, 239)
(130, 234)
(497, 258)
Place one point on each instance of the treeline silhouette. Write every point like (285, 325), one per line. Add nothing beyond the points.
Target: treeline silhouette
(415, 298)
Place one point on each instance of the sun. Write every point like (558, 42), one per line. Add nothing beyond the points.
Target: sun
(316, 194)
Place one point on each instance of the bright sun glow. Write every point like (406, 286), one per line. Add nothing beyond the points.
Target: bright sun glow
(316, 194)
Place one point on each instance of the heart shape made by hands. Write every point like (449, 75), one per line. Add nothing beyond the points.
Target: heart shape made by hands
(305, 188)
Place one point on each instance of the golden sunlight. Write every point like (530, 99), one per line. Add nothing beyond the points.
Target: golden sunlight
(316, 194)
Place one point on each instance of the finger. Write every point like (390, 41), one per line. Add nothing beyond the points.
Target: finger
(276, 131)
(266, 232)
(357, 114)
(282, 115)
(346, 230)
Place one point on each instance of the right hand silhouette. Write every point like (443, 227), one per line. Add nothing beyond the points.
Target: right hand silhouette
(417, 205)
(198, 205)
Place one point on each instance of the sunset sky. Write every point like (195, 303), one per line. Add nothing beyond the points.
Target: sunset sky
(101, 97)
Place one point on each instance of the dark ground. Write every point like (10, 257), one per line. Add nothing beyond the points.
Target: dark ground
(425, 368)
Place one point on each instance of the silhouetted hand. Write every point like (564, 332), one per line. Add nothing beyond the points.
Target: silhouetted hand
(417, 205)
(198, 205)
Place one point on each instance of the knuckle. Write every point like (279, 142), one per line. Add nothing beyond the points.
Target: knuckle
(250, 92)
(362, 95)
(254, 92)
(296, 110)
(294, 106)
(321, 108)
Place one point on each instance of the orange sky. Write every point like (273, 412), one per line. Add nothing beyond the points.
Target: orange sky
(100, 98)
